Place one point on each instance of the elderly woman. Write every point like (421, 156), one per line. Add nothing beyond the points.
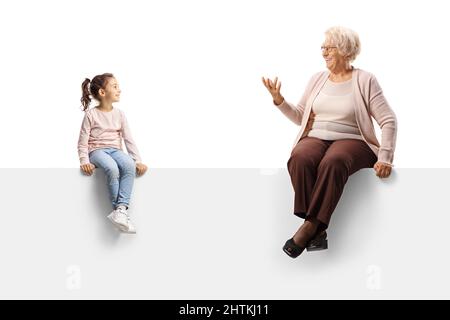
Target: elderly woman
(336, 138)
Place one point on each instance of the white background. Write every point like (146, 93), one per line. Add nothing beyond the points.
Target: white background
(190, 73)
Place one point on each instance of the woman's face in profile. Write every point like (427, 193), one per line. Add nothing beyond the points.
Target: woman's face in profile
(330, 53)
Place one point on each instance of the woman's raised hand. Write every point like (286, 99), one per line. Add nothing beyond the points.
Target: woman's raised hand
(274, 89)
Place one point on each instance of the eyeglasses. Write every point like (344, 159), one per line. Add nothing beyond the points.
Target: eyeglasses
(327, 48)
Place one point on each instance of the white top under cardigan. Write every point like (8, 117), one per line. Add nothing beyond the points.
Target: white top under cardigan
(334, 111)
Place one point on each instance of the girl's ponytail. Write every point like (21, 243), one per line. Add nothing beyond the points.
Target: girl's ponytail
(85, 99)
(89, 88)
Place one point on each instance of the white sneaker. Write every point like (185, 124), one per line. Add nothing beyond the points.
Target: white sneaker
(119, 218)
(130, 226)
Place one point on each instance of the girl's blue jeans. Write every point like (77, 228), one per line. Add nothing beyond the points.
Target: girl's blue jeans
(120, 170)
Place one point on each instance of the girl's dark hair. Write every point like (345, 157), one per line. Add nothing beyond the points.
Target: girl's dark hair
(97, 83)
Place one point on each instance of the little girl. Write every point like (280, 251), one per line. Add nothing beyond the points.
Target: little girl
(100, 145)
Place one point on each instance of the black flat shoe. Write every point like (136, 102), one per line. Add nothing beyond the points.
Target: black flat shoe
(291, 249)
(319, 242)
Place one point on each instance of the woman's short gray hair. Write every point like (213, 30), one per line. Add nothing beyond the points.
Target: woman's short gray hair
(346, 41)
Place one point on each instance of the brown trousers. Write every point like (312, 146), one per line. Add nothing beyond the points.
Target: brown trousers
(319, 170)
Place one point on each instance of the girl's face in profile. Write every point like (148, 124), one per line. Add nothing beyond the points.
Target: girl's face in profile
(112, 90)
